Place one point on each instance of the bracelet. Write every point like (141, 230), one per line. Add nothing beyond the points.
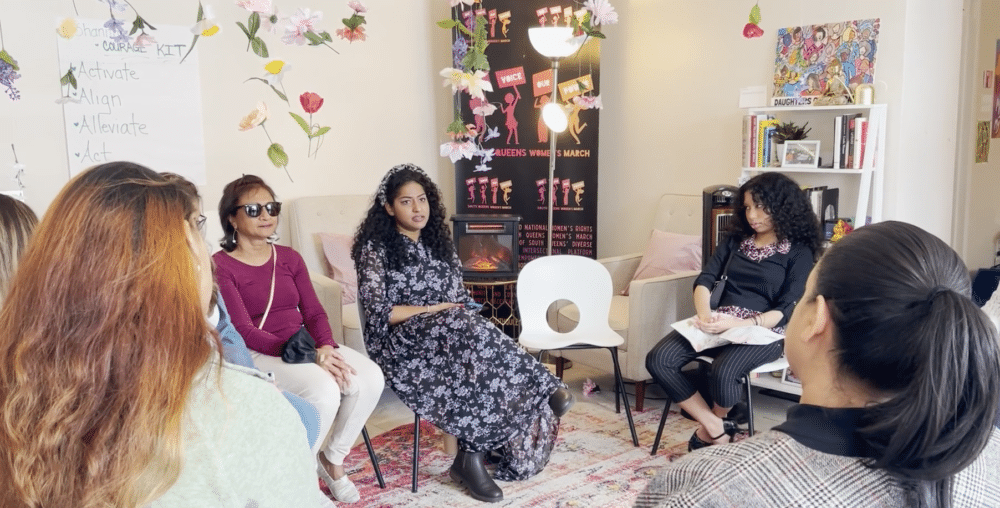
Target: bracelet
(428, 309)
(753, 319)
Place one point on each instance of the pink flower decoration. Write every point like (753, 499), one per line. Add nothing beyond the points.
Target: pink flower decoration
(299, 23)
(358, 34)
(261, 6)
(457, 150)
(751, 30)
(311, 102)
(144, 40)
(357, 6)
(588, 102)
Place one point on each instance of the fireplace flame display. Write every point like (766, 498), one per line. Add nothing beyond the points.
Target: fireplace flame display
(487, 245)
(488, 255)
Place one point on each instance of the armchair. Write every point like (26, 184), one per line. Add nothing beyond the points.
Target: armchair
(310, 216)
(644, 316)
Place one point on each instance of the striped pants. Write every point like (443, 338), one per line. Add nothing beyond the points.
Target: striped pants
(732, 362)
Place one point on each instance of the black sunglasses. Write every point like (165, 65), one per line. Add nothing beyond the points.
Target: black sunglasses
(253, 209)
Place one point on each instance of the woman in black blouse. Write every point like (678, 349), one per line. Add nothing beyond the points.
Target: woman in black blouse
(774, 244)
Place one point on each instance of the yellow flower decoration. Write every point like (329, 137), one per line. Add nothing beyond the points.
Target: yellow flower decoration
(67, 29)
(275, 71)
(206, 26)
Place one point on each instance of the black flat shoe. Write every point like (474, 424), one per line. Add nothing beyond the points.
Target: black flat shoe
(729, 428)
(469, 470)
(560, 401)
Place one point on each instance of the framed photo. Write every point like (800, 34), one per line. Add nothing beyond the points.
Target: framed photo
(788, 377)
(802, 153)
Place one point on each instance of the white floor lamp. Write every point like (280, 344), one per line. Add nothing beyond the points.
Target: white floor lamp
(554, 43)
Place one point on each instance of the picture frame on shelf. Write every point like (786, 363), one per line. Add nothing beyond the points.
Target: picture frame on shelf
(802, 153)
(789, 378)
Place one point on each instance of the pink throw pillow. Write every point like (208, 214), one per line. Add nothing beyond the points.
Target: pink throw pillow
(668, 253)
(337, 248)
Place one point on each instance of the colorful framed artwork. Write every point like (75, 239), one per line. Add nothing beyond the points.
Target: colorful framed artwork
(811, 59)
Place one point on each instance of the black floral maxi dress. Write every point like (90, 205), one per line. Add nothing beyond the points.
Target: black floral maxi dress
(454, 368)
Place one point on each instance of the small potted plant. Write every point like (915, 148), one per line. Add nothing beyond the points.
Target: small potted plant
(786, 131)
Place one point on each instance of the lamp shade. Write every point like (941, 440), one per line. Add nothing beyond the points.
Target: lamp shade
(555, 41)
(554, 117)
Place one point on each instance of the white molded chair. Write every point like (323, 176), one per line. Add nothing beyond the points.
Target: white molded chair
(779, 364)
(586, 283)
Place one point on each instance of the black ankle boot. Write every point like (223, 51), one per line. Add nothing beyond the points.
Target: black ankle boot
(560, 401)
(469, 470)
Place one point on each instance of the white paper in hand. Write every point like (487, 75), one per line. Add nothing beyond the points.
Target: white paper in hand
(700, 341)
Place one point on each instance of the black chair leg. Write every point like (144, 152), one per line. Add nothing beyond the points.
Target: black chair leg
(416, 449)
(659, 430)
(621, 386)
(371, 455)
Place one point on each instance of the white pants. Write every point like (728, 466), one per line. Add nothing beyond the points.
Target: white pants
(341, 415)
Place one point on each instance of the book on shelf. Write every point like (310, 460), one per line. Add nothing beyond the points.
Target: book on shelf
(862, 143)
(837, 126)
(762, 125)
(748, 124)
(824, 201)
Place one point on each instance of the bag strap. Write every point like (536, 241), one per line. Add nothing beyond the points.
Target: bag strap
(725, 268)
(270, 298)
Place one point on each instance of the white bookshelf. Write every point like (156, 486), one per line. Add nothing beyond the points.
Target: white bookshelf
(867, 182)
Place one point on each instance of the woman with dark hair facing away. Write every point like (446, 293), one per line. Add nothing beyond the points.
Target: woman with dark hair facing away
(444, 360)
(17, 221)
(900, 373)
(113, 390)
(773, 244)
(270, 299)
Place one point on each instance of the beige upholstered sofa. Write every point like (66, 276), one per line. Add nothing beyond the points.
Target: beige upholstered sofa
(310, 216)
(643, 317)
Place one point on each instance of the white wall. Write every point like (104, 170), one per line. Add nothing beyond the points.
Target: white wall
(978, 217)
(672, 74)
(382, 96)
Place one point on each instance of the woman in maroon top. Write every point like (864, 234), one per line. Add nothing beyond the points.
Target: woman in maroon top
(343, 384)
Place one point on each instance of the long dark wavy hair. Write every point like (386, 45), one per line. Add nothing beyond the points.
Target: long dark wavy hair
(380, 228)
(786, 203)
(906, 326)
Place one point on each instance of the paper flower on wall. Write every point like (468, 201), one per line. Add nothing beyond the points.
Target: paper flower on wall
(274, 71)
(594, 13)
(8, 71)
(256, 7)
(204, 26)
(67, 83)
(311, 103)
(18, 169)
(275, 152)
(751, 29)
(67, 29)
(469, 76)
(353, 29)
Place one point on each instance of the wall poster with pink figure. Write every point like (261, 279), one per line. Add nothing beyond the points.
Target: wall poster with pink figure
(814, 60)
(510, 169)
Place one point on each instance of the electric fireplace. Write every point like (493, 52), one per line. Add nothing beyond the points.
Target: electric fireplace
(487, 245)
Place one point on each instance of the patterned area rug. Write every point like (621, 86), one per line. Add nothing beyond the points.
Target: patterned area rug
(593, 464)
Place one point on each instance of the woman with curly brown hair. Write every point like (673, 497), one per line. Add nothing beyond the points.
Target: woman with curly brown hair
(773, 245)
(444, 360)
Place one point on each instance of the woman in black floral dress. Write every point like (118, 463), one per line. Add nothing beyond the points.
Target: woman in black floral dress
(444, 360)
